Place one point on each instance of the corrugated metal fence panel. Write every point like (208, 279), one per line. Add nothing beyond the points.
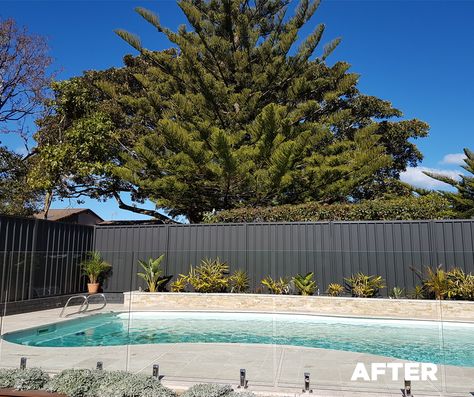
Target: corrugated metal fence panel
(41, 258)
(397, 250)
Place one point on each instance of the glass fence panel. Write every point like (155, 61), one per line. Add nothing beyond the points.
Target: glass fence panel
(50, 318)
(313, 319)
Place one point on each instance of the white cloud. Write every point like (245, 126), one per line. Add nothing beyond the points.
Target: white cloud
(415, 176)
(453, 158)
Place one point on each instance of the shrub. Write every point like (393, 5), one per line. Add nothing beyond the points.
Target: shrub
(208, 390)
(210, 276)
(241, 394)
(397, 293)
(239, 281)
(461, 285)
(125, 384)
(279, 287)
(152, 273)
(305, 284)
(364, 286)
(335, 289)
(76, 382)
(431, 206)
(7, 378)
(23, 379)
(180, 284)
(437, 283)
(418, 292)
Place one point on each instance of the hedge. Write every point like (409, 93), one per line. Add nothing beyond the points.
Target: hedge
(431, 206)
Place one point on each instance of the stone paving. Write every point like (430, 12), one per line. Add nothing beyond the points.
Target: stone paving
(271, 369)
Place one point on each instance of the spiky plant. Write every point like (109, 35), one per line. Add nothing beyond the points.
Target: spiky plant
(305, 284)
(239, 281)
(152, 273)
(335, 289)
(94, 266)
(278, 287)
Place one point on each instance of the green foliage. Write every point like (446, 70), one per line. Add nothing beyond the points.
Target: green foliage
(94, 266)
(152, 273)
(432, 206)
(125, 384)
(211, 275)
(93, 383)
(16, 196)
(234, 114)
(278, 287)
(397, 293)
(180, 284)
(463, 200)
(239, 281)
(76, 382)
(208, 390)
(418, 292)
(461, 285)
(437, 283)
(305, 284)
(335, 289)
(363, 286)
(23, 379)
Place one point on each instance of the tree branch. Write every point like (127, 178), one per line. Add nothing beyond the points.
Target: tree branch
(143, 211)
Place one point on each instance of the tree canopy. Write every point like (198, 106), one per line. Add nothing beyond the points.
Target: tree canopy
(240, 111)
(462, 201)
(24, 83)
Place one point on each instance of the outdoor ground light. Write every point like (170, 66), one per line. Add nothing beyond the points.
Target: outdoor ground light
(22, 362)
(306, 388)
(100, 365)
(156, 371)
(407, 389)
(243, 378)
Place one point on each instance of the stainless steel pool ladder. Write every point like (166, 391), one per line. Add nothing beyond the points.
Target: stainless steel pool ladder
(85, 304)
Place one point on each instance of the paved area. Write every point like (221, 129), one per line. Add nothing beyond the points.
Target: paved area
(271, 369)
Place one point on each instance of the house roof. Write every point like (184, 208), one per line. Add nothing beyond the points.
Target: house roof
(61, 214)
(132, 222)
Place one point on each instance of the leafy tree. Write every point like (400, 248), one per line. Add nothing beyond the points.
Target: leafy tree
(239, 112)
(16, 198)
(80, 142)
(462, 200)
(24, 82)
(24, 79)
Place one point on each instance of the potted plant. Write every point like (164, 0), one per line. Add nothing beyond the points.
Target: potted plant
(93, 267)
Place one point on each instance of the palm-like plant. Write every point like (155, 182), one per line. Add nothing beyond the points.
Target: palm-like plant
(279, 287)
(437, 282)
(152, 273)
(364, 286)
(94, 266)
(335, 289)
(239, 281)
(305, 284)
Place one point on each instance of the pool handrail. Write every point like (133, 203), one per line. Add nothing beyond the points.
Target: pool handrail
(85, 304)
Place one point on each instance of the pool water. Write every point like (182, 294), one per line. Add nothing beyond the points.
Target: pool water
(422, 341)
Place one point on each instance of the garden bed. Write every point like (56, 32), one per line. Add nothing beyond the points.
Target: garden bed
(412, 309)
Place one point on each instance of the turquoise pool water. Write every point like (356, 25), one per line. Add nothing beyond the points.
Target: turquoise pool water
(423, 341)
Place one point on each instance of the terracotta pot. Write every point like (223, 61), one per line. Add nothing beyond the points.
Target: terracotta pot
(93, 288)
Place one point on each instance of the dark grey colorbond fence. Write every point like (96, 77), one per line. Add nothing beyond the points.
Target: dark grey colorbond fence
(41, 258)
(332, 250)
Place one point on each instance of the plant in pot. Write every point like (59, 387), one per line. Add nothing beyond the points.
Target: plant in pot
(93, 267)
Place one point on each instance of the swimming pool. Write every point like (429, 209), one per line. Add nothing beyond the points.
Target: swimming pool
(422, 341)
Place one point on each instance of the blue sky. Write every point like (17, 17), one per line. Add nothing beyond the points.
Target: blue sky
(417, 54)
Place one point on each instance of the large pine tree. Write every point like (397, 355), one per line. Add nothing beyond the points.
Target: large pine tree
(242, 111)
(462, 200)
